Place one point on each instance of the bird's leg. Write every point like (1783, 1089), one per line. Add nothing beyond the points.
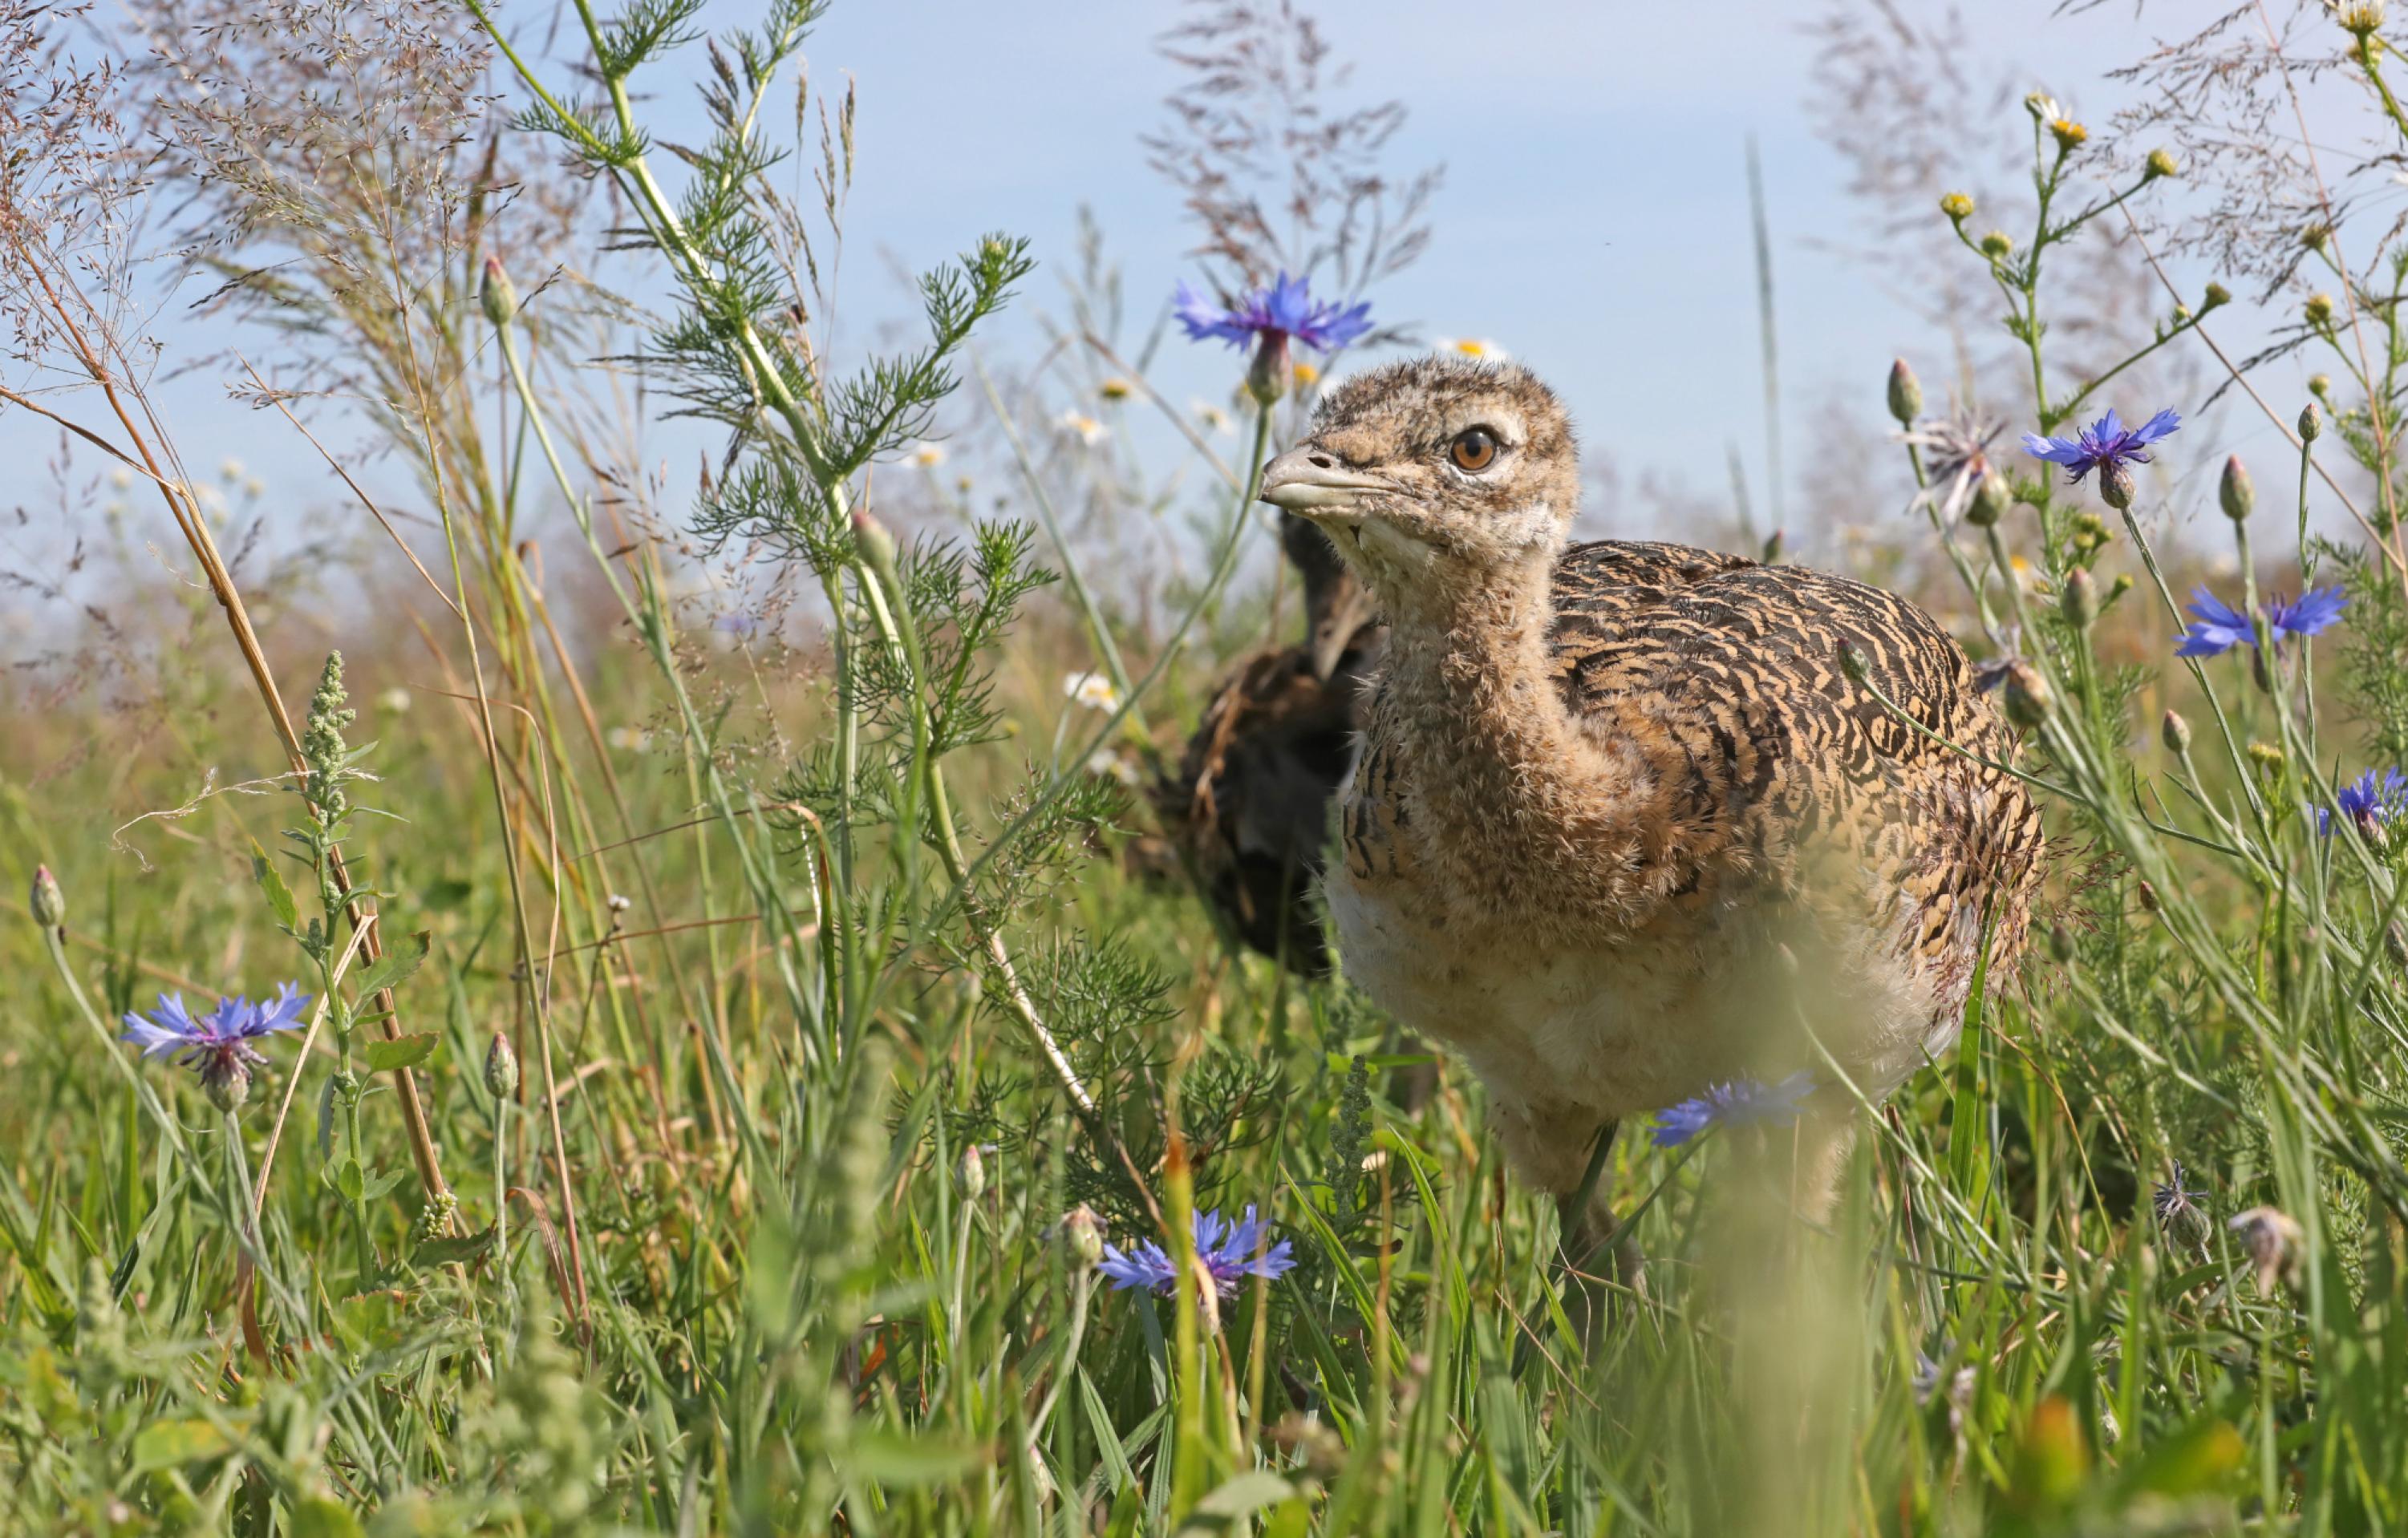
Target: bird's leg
(1588, 1237)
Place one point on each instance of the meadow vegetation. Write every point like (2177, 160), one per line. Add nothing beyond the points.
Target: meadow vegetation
(738, 986)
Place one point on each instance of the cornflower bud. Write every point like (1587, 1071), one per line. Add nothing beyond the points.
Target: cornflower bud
(1083, 1233)
(2115, 486)
(876, 544)
(2078, 599)
(49, 904)
(2234, 493)
(2312, 423)
(2029, 698)
(2160, 163)
(970, 1174)
(2149, 896)
(501, 1068)
(1958, 206)
(2319, 310)
(2176, 734)
(1905, 394)
(499, 299)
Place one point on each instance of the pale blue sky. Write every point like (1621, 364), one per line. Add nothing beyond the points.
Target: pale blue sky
(1593, 220)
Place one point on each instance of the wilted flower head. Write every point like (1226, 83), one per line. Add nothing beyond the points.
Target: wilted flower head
(1227, 1251)
(1286, 309)
(219, 1042)
(1956, 460)
(2366, 802)
(2273, 1241)
(1740, 1103)
(2106, 441)
(2177, 1207)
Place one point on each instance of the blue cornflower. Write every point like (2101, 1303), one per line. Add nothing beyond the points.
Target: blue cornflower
(219, 1042)
(2366, 802)
(1286, 309)
(1229, 1252)
(2217, 630)
(2311, 611)
(1740, 1103)
(2219, 627)
(2106, 441)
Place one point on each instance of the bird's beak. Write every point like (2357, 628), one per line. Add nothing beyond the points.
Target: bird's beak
(1310, 481)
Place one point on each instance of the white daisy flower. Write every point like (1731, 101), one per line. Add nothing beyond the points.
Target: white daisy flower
(1086, 429)
(927, 455)
(1478, 348)
(1216, 419)
(1105, 764)
(1092, 690)
(230, 469)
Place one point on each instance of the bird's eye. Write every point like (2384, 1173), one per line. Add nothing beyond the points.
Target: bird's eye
(1474, 448)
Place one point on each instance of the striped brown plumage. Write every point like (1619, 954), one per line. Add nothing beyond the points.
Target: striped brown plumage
(1624, 824)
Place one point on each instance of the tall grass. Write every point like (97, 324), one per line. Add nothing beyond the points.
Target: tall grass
(722, 1069)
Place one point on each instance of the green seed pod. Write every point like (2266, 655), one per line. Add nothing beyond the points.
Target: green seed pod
(501, 1068)
(499, 299)
(2078, 599)
(2175, 732)
(1905, 394)
(2234, 493)
(49, 904)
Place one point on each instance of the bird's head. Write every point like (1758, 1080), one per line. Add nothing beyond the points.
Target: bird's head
(1436, 476)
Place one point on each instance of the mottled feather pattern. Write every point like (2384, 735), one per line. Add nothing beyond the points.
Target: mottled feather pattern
(1791, 780)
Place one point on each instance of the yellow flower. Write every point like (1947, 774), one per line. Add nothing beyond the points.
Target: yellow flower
(1116, 389)
(2069, 134)
(1306, 373)
(927, 456)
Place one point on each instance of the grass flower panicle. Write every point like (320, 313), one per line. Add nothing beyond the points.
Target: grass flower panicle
(1740, 1103)
(2106, 442)
(1229, 1252)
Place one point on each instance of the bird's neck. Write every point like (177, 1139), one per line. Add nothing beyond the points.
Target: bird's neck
(1510, 794)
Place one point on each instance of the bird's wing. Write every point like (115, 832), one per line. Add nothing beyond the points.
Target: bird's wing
(1733, 671)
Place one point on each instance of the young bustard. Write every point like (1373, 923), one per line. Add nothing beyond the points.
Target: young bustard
(1624, 826)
